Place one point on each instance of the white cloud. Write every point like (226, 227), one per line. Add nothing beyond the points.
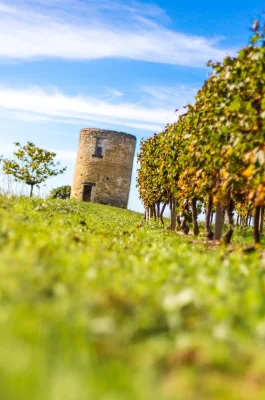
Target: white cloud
(96, 31)
(175, 96)
(39, 105)
(116, 93)
(65, 155)
(7, 150)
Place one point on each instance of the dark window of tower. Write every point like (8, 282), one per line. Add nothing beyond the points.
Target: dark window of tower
(99, 148)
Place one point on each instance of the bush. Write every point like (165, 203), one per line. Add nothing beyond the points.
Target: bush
(62, 192)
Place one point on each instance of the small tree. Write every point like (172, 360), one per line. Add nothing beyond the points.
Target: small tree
(62, 192)
(33, 165)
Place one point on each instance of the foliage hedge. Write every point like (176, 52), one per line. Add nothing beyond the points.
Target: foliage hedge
(215, 152)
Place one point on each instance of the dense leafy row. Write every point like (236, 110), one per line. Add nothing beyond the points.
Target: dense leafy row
(215, 154)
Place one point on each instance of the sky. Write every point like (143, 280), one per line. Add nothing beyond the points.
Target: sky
(122, 65)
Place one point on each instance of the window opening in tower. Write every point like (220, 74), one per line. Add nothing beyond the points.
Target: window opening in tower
(99, 148)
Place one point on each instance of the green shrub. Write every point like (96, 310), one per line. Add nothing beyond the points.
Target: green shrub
(62, 192)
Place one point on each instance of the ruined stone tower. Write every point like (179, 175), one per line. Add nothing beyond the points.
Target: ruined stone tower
(104, 167)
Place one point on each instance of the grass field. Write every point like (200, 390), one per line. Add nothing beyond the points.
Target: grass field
(96, 305)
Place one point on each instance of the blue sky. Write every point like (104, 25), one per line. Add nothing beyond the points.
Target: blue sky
(121, 65)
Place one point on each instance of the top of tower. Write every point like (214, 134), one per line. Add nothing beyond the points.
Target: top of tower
(106, 132)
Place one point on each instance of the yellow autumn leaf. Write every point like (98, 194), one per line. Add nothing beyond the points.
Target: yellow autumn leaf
(260, 188)
(261, 197)
(229, 151)
(248, 172)
(251, 194)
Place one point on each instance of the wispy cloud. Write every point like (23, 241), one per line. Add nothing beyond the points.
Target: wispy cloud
(65, 155)
(97, 29)
(175, 96)
(8, 149)
(36, 104)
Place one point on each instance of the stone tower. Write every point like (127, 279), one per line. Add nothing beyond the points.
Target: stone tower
(104, 167)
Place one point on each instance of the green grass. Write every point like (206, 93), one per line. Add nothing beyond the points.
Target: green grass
(95, 306)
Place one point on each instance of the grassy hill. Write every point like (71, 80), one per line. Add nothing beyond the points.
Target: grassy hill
(96, 305)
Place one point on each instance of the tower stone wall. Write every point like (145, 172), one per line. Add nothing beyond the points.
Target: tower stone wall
(105, 177)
